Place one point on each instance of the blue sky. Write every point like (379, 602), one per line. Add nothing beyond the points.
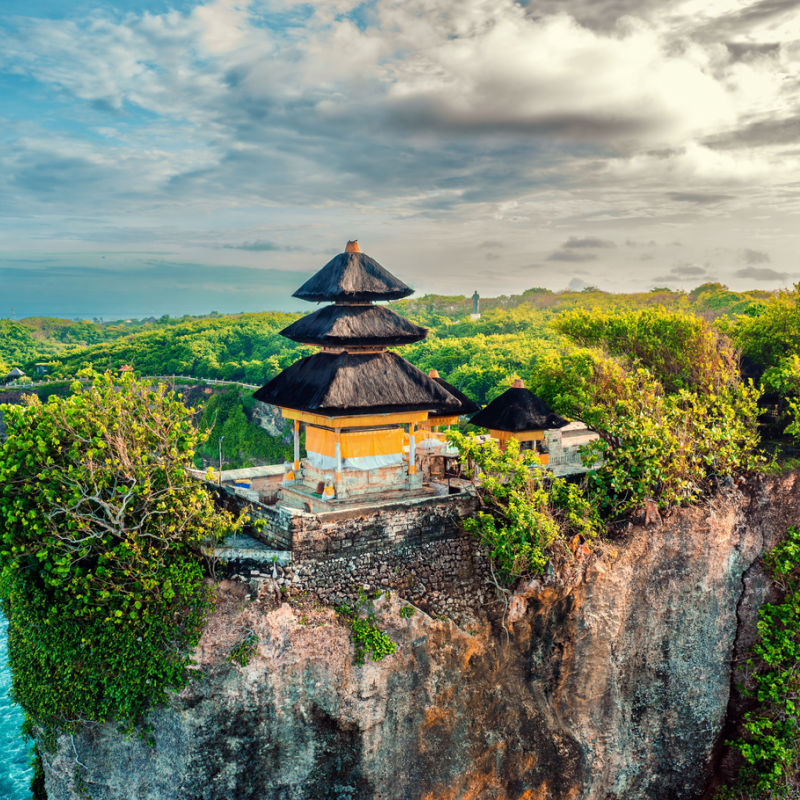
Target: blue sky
(182, 157)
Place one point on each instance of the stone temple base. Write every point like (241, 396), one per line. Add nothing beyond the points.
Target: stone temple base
(353, 485)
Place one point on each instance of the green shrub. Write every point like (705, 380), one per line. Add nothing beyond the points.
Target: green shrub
(771, 741)
(244, 650)
(527, 509)
(366, 636)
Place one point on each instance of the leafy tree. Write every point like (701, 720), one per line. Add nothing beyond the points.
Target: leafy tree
(668, 405)
(102, 576)
(669, 448)
(773, 334)
(228, 413)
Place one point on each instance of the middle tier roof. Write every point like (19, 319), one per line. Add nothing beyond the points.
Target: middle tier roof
(343, 325)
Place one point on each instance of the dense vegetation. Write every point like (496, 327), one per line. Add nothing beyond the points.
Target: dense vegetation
(102, 576)
(657, 375)
(771, 744)
(228, 413)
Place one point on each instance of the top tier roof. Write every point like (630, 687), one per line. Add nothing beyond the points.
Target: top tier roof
(352, 276)
(518, 409)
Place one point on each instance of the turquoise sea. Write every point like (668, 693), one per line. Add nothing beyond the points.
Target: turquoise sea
(15, 768)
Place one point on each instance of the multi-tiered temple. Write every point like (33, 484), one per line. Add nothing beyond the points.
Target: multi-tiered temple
(360, 403)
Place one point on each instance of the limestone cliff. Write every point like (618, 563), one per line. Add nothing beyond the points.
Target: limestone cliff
(615, 686)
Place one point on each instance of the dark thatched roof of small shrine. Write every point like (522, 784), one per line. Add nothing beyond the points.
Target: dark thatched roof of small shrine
(354, 325)
(352, 276)
(518, 409)
(467, 405)
(336, 384)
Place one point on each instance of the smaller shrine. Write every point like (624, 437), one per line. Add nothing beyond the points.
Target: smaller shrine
(519, 414)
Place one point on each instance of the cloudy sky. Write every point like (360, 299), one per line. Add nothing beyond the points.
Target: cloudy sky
(168, 156)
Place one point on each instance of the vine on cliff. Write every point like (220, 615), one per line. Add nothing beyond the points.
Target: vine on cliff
(102, 576)
(365, 634)
(771, 741)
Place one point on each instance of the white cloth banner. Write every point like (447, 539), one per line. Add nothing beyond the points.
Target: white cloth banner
(320, 461)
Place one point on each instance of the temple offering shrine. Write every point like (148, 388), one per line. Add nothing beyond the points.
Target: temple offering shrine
(519, 414)
(361, 404)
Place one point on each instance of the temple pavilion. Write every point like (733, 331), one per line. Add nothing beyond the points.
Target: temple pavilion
(361, 404)
(519, 414)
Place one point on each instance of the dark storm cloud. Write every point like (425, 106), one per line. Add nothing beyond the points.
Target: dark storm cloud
(688, 270)
(701, 198)
(746, 51)
(569, 255)
(759, 134)
(262, 246)
(761, 274)
(601, 15)
(745, 19)
(578, 242)
(752, 257)
(431, 113)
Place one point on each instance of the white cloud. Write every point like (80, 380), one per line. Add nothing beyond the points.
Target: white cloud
(448, 118)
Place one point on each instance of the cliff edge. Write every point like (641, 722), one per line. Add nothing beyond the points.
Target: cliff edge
(613, 685)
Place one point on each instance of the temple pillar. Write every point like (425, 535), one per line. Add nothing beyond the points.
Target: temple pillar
(412, 450)
(297, 444)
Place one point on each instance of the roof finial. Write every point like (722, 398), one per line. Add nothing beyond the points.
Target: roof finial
(518, 384)
(352, 247)
(434, 373)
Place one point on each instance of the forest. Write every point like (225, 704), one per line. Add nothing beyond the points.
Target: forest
(689, 392)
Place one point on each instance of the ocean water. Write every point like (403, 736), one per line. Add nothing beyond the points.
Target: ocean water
(15, 768)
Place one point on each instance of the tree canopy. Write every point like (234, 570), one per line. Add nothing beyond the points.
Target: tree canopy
(102, 576)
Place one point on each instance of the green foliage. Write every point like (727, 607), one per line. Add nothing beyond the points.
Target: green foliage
(407, 611)
(101, 572)
(793, 428)
(526, 508)
(669, 448)
(244, 650)
(668, 405)
(772, 334)
(245, 347)
(366, 636)
(771, 741)
(680, 350)
(228, 413)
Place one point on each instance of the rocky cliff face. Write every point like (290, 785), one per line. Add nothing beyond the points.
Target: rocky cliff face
(615, 686)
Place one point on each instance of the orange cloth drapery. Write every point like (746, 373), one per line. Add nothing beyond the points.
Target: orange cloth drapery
(355, 444)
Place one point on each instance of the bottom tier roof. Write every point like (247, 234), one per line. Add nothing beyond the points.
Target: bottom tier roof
(337, 384)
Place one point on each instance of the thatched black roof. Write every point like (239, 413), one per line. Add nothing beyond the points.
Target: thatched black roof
(353, 276)
(467, 405)
(518, 409)
(336, 384)
(354, 325)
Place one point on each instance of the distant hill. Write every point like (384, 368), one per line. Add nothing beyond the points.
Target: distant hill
(476, 355)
